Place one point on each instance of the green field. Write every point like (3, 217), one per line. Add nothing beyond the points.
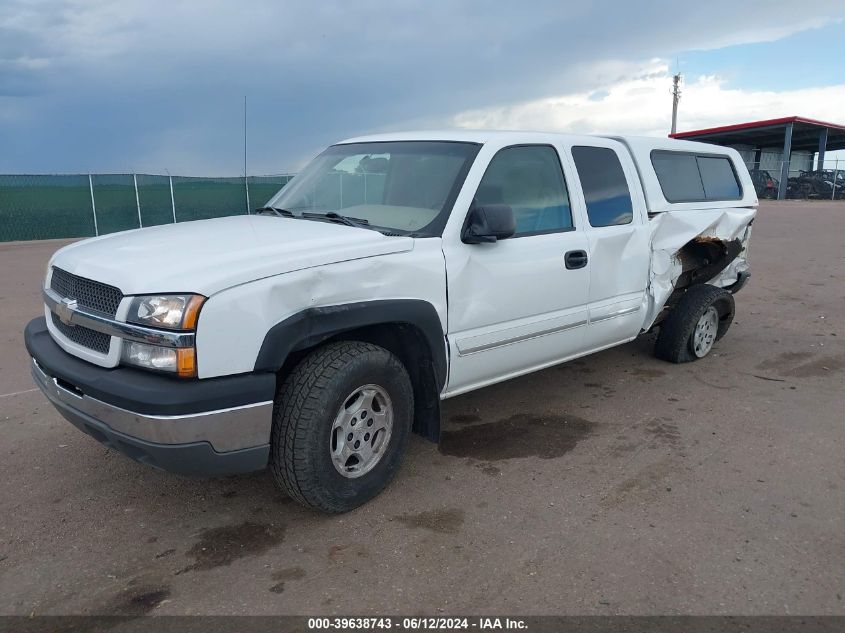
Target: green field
(44, 207)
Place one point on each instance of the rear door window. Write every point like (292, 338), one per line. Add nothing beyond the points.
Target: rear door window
(605, 186)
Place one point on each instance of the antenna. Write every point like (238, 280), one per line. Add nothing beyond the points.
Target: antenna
(246, 178)
(676, 97)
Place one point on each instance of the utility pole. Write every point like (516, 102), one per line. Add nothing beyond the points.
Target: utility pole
(676, 97)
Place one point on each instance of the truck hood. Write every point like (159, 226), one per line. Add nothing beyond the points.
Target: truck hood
(208, 256)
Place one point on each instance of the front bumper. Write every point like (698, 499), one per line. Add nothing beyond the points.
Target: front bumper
(201, 427)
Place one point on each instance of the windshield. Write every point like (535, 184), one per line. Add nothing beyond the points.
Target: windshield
(405, 187)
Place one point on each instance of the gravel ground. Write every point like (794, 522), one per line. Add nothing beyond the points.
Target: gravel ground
(616, 484)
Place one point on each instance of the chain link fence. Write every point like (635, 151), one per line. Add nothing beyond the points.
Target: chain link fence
(35, 207)
(813, 182)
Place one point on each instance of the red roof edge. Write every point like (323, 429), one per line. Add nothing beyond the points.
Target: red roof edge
(755, 124)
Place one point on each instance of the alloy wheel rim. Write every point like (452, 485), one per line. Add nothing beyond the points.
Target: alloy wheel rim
(361, 431)
(704, 334)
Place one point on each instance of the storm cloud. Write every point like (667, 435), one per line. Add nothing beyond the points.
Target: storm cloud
(148, 86)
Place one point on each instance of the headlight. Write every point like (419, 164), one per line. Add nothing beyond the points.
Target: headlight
(172, 312)
(175, 312)
(181, 361)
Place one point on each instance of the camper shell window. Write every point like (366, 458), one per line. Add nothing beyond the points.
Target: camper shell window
(688, 177)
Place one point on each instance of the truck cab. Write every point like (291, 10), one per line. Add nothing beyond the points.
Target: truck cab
(313, 336)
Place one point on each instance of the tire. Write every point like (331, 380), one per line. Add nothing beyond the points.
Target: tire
(676, 341)
(319, 393)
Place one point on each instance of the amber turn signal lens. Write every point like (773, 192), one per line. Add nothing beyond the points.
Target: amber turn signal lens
(186, 362)
(192, 312)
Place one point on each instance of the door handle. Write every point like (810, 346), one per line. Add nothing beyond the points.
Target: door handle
(575, 259)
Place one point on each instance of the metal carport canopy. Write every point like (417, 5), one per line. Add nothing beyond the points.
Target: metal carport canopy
(790, 133)
(770, 133)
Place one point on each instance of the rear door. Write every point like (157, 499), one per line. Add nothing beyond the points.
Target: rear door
(618, 240)
(515, 305)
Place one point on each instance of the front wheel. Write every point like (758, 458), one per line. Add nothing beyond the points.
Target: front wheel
(341, 424)
(701, 317)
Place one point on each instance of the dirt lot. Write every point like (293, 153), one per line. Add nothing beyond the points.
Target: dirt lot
(613, 484)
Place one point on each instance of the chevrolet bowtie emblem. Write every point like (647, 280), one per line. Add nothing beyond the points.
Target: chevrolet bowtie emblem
(65, 309)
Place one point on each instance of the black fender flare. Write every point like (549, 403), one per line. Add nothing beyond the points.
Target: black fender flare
(314, 325)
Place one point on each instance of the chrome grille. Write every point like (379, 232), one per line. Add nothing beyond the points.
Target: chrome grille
(93, 340)
(89, 294)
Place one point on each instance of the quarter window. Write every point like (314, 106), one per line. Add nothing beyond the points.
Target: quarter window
(528, 178)
(605, 186)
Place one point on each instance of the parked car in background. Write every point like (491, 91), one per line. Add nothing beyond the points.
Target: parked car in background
(393, 272)
(765, 184)
(825, 184)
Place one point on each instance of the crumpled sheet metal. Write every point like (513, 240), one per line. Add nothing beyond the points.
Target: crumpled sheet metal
(671, 230)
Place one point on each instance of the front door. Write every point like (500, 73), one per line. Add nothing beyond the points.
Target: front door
(518, 304)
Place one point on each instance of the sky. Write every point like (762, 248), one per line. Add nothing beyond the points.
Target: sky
(158, 86)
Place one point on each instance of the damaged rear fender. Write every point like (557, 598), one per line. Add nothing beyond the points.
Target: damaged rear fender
(694, 247)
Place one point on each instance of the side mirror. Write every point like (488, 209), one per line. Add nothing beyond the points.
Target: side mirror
(488, 223)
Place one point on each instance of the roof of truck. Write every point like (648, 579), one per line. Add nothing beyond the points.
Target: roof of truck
(639, 148)
(486, 136)
(460, 135)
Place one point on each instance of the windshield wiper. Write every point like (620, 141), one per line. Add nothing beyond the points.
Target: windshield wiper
(337, 217)
(282, 213)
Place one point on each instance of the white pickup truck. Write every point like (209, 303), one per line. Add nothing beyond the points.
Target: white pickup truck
(394, 271)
